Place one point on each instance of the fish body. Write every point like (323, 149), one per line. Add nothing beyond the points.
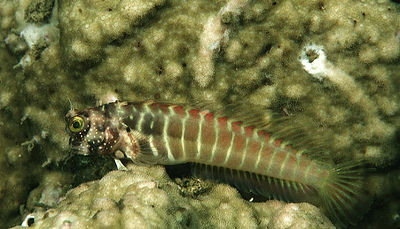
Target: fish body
(223, 148)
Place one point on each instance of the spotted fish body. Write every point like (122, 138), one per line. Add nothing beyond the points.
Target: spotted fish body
(253, 159)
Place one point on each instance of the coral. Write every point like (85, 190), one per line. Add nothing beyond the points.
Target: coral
(101, 24)
(37, 38)
(314, 61)
(384, 184)
(33, 34)
(299, 216)
(52, 187)
(211, 38)
(39, 11)
(145, 197)
(20, 164)
(16, 182)
(135, 50)
(385, 215)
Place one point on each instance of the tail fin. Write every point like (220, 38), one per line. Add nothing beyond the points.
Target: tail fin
(343, 197)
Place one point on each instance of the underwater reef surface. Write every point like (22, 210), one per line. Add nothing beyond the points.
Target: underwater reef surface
(146, 198)
(332, 67)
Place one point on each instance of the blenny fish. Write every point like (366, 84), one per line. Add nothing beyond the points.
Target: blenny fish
(253, 159)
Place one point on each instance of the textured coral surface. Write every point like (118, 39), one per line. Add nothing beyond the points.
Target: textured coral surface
(147, 198)
(57, 53)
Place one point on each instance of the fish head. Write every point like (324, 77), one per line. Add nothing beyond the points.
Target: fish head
(91, 131)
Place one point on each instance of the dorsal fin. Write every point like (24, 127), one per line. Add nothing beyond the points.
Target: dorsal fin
(291, 129)
(299, 131)
(303, 134)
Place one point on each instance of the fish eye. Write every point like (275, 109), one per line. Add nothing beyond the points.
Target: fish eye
(76, 124)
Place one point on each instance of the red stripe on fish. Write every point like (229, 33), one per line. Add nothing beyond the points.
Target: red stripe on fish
(224, 141)
(222, 122)
(194, 113)
(179, 110)
(207, 138)
(236, 127)
(249, 131)
(209, 117)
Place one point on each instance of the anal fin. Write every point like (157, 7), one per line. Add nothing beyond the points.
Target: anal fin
(258, 185)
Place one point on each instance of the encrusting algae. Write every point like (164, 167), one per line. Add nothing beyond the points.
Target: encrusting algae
(250, 157)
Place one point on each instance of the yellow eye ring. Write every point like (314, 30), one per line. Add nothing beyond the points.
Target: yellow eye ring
(76, 124)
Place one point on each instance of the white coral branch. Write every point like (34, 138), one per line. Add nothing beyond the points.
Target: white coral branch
(315, 62)
(210, 40)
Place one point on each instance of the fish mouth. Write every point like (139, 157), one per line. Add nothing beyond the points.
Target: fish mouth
(79, 149)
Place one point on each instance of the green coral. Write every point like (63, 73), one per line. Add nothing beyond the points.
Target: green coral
(192, 187)
(87, 28)
(39, 11)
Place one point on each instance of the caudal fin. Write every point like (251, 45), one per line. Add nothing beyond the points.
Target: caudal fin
(343, 197)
